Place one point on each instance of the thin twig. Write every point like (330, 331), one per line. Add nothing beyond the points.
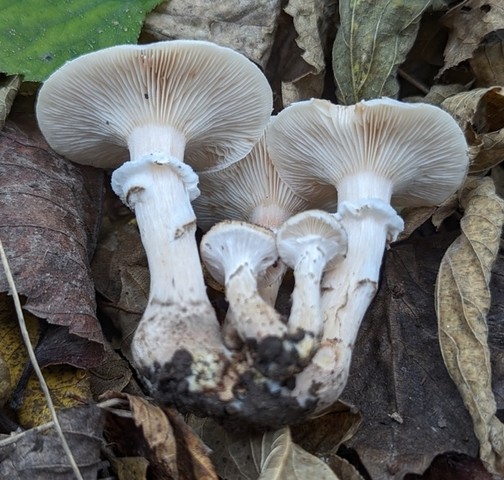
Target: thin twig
(415, 82)
(33, 359)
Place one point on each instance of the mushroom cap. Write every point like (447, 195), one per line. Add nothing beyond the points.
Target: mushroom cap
(419, 147)
(312, 228)
(229, 244)
(251, 190)
(215, 97)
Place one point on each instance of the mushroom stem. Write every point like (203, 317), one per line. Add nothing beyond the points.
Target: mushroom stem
(348, 290)
(305, 317)
(178, 310)
(371, 224)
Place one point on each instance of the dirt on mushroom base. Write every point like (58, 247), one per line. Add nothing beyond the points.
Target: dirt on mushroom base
(241, 400)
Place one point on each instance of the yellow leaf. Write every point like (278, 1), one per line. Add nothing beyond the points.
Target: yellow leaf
(68, 386)
(462, 304)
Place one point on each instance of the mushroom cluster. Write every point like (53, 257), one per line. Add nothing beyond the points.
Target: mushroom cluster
(187, 128)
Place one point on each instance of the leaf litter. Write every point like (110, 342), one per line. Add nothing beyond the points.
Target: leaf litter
(407, 412)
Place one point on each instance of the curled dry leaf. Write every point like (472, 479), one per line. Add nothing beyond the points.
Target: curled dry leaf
(462, 303)
(480, 114)
(247, 26)
(370, 45)
(162, 437)
(50, 218)
(40, 454)
(312, 20)
(470, 21)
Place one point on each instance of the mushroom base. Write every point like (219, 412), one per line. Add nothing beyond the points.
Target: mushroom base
(247, 402)
(278, 357)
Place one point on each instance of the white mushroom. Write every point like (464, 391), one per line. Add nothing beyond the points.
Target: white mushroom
(251, 190)
(310, 243)
(236, 254)
(172, 108)
(370, 153)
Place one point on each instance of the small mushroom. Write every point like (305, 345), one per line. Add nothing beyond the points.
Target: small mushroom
(172, 108)
(251, 190)
(310, 242)
(236, 254)
(371, 153)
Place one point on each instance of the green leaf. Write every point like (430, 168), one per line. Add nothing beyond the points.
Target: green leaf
(372, 41)
(37, 37)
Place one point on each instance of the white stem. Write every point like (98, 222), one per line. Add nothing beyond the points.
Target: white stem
(306, 314)
(252, 317)
(178, 312)
(370, 223)
(268, 286)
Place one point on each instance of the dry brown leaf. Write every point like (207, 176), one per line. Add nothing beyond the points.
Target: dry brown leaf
(282, 458)
(50, 218)
(307, 17)
(343, 468)
(193, 459)
(462, 303)
(9, 87)
(247, 26)
(171, 447)
(114, 373)
(313, 23)
(121, 276)
(411, 408)
(414, 217)
(322, 436)
(480, 114)
(264, 456)
(39, 455)
(470, 21)
(487, 63)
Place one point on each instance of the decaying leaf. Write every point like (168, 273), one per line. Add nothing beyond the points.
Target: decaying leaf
(322, 436)
(343, 468)
(247, 26)
(282, 458)
(264, 456)
(121, 276)
(470, 21)
(9, 87)
(114, 373)
(130, 468)
(413, 218)
(171, 448)
(371, 43)
(480, 114)
(40, 455)
(50, 218)
(6, 387)
(312, 20)
(487, 63)
(411, 409)
(68, 386)
(462, 303)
